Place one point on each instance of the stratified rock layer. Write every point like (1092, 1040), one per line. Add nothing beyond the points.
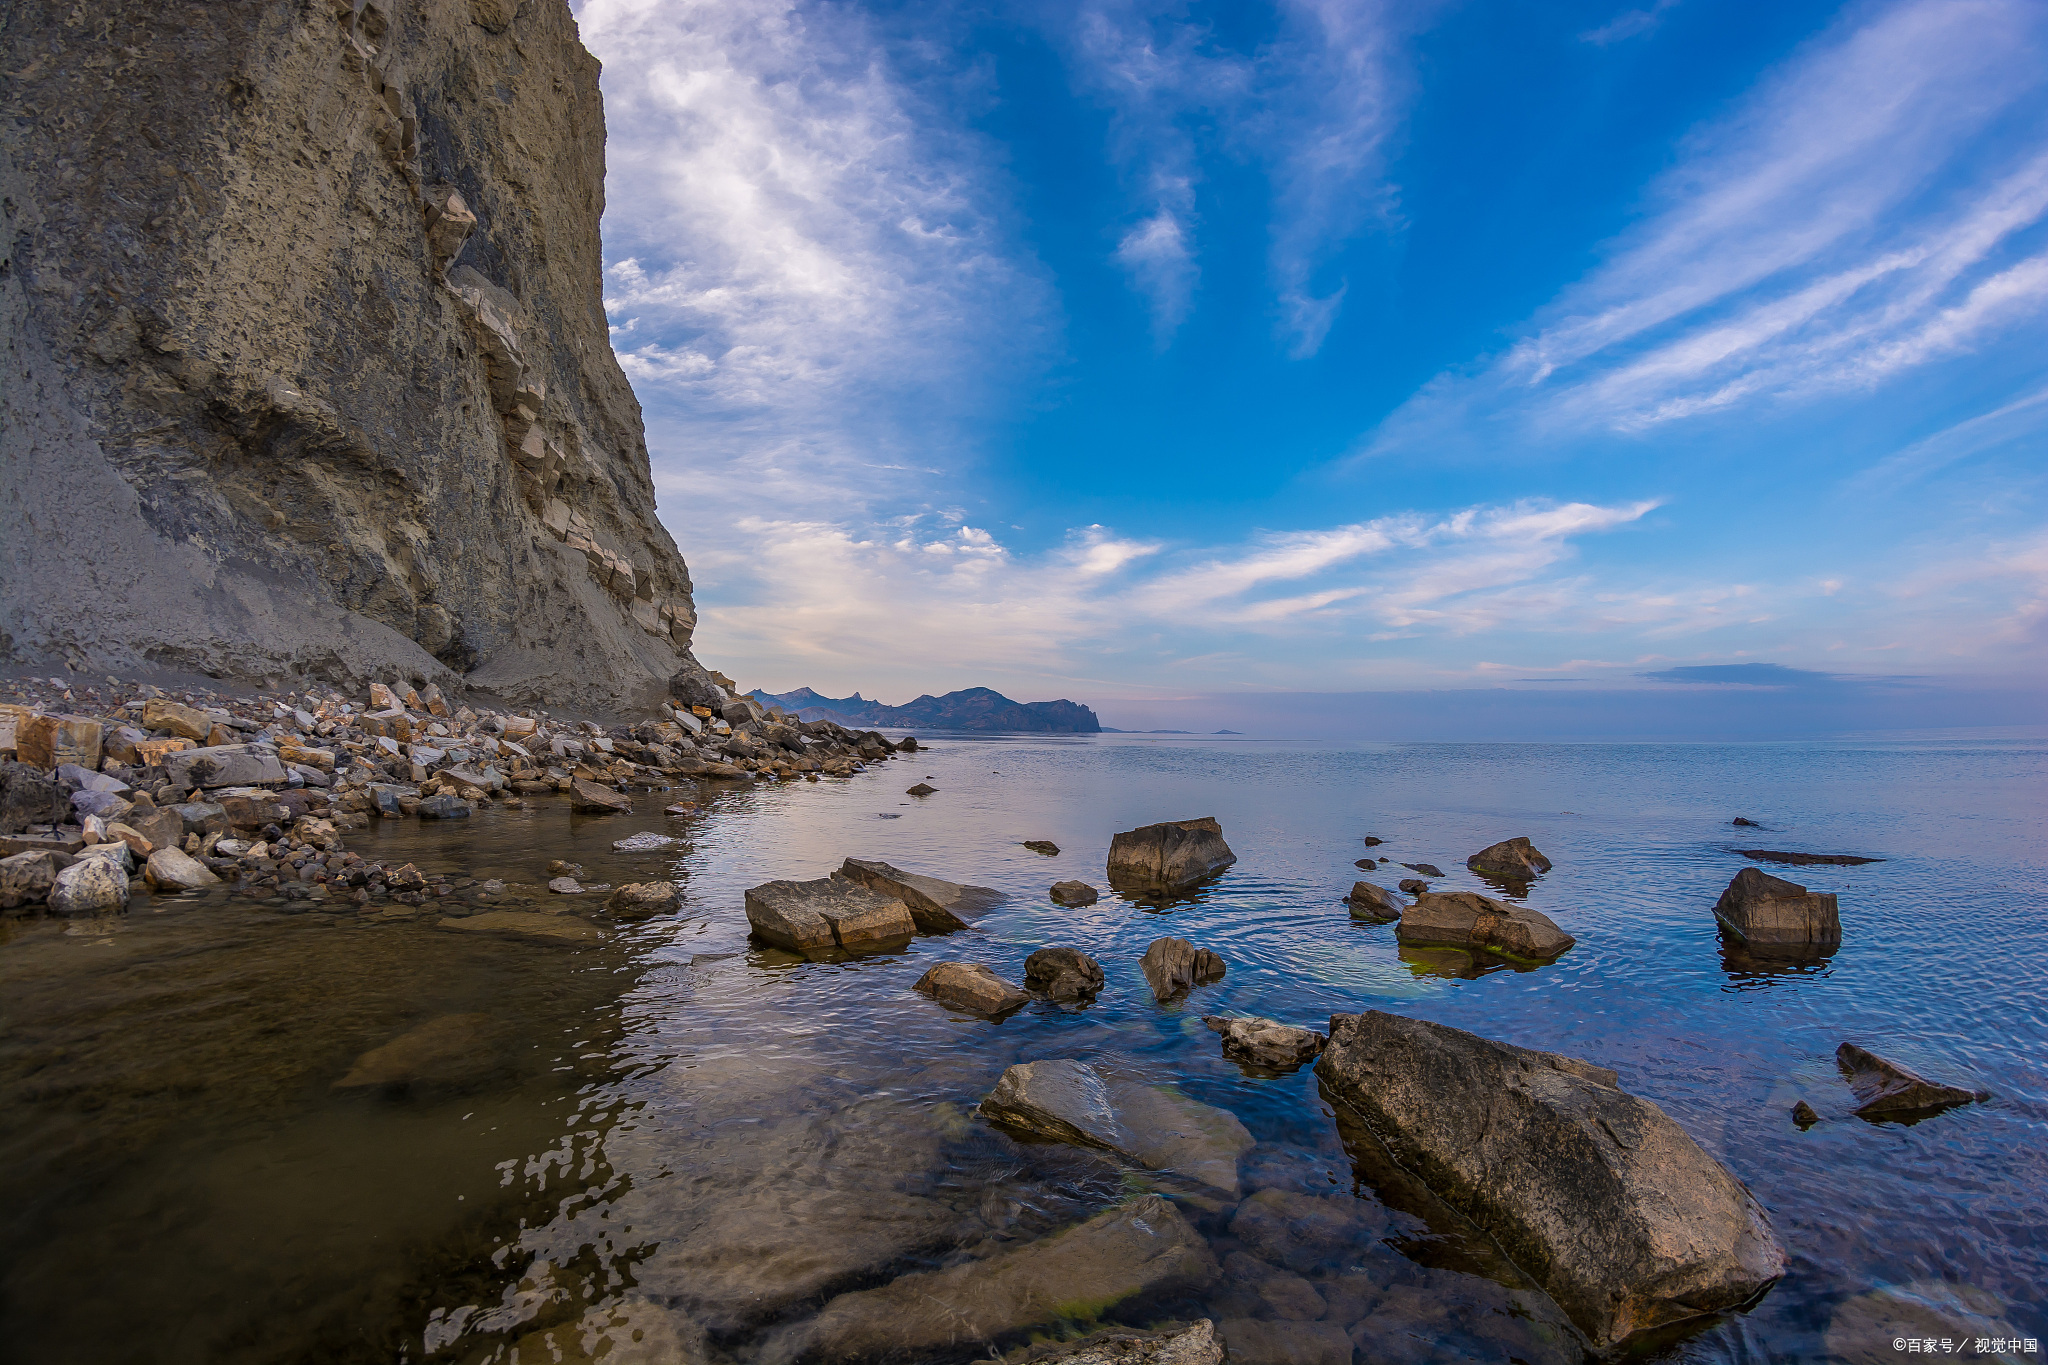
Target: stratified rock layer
(1597, 1194)
(310, 368)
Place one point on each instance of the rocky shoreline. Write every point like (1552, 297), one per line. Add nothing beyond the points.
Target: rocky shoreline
(192, 789)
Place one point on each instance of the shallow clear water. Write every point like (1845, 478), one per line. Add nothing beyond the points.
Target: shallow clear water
(679, 1117)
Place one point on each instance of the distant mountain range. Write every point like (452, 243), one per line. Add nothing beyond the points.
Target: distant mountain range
(973, 708)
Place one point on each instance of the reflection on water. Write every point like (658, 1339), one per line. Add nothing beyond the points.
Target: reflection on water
(233, 1134)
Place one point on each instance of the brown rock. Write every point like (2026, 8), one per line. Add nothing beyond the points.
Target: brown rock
(938, 906)
(1804, 1115)
(1174, 966)
(52, 741)
(1414, 886)
(187, 722)
(1073, 894)
(830, 912)
(170, 869)
(1597, 1194)
(588, 798)
(452, 1050)
(1168, 857)
(26, 879)
(921, 789)
(971, 988)
(643, 900)
(1510, 860)
(1466, 919)
(1768, 911)
(1886, 1090)
(1155, 1126)
(560, 929)
(1266, 1043)
(1063, 974)
(1375, 903)
(1044, 846)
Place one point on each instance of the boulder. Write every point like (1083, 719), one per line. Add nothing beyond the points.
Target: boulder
(201, 817)
(161, 827)
(1886, 1090)
(451, 1050)
(1745, 823)
(90, 886)
(921, 789)
(1168, 857)
(971, 988)
(1266, 1043)
(170, 869)
(1466, 919)
(52, 741)
(588, 798)
(1063, 974)
(446, 806)
(1174, 966)
(26, 878)
(107, 805)
(831, 912)
(1768, 911)
(1375, 903)
(1072, 894)
(564, 929)
(1510, 860)
(1195, 1344)
(1154, 1126)
(1140, 1250)
(1598, 1195)
(938, 907)
(643, 900)
(225, 765)
(29, 798)
(1805, 1115)
(254, 812)
(1414, 886)
(187, 722)
(116, 851)
(1044, 846)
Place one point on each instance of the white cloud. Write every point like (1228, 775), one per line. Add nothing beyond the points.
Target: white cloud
(1859, 214)
(1628, 24)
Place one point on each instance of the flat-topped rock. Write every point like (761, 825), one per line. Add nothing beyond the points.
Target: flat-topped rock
(588, 798)
(1073, 894)
(971, 988)
(170, 869)
(1466, 919)
(643, 900)
(1138, 1250)
(1066, 974)
(1266, 1043)
(1174, 966)
(1597, 1194)
(1768, 911)
(937, 906)
(1374, 903)
(1886, 1090)
(831, 912)
(223, 765)
(563, 929)
(1167, 857)
(1152, 1125)
(1510, 860)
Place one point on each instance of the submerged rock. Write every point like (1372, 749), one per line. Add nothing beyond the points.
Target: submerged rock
(1174, 966)
(643, 900)
(1375, 903)
(1466, 919)
(1141, 1249)
(1195, 1344)
(1261, 1341)
(634, 1331)
(451, 1050)
(1769, 911)
(1044, 846)
(1772, 855)
(971, 988)
(1266, 1043)
(1510, 860)
(564, 929)
(1072, 894)
(1168, 857)
(1426, 869)
(1152, 1125)
(1306, 1233)
(937, 907)
(1873, 1327)
(1886, 1090)
(91, 886)
(644, 842)
(1605, 1201)
(1063, 974)
(588, 798)
(1804, 1115)
(830, 912)
(921, 789)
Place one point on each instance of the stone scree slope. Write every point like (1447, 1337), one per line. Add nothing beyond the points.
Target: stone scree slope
(309, 371)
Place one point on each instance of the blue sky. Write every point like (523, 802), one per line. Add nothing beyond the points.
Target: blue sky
(1115, 350)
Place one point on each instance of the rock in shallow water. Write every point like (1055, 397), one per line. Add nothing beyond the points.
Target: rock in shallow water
(1174, 966)
(937, 906)
(1168, 857)
(563, 929)
(91, 886)
(971, 988)
(827, 913)
(1510, 860)
(1374, 903)
(1063, 974)
(588, 798)
(1768, 911)
(1257, 1341)
(1597, 1194)
(169, 869)
(1044, 846)
(645, 842)
(1266, 1043)
(1886, 1090)
(451, 1050)
(1466, 919)
(1072, 894)
(642, 900)
(1152, 1125)
(1138, 1250)
(1195, 1344)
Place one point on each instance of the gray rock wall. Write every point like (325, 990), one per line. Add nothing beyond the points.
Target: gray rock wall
(308, 371)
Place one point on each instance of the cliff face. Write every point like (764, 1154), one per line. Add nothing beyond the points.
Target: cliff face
(308, 369)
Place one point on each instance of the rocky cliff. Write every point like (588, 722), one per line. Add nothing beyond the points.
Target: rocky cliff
(308, 368)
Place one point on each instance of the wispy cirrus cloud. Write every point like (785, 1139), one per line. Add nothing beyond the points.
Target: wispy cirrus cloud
(1318, 106)
(1865, 211)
